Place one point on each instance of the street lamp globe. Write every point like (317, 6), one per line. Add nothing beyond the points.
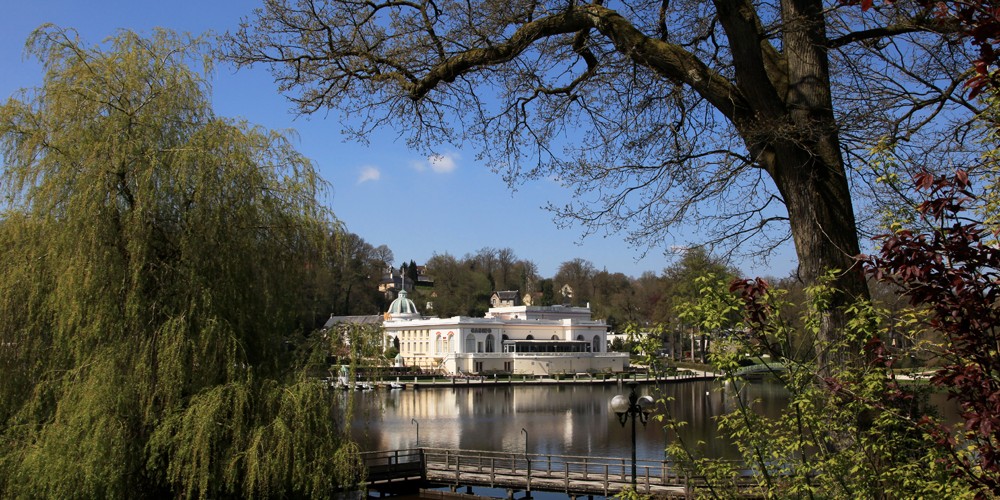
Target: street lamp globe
(646, 405)
(619, 405)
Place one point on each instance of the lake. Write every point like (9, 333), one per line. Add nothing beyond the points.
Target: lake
(555, 419)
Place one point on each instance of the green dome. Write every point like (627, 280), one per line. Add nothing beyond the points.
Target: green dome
(403, 307)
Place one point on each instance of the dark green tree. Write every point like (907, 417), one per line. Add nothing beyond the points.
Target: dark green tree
(411, 273)
(578, 274)
(151, 271)
(548, 292)
(614, 299)
(355, 267)
(458, 289)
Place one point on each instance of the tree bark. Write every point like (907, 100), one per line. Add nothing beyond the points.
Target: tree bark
(797, 142)
(811, 176)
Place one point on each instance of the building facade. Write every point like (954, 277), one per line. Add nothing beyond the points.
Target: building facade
(517, 339)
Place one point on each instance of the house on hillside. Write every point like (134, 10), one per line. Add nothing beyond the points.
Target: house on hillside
(395, 280)
(505, 299)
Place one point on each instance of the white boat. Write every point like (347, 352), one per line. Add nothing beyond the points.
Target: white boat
(396, 384)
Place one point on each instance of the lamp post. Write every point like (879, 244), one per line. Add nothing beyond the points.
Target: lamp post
(636, 407)
(527, 460)
(525, 432)
(414, 421)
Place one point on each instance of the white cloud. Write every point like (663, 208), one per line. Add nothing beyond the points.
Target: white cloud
(443, 164)
(438, 163)
(369, 173)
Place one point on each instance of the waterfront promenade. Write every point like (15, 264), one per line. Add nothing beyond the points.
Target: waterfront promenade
(569, 379)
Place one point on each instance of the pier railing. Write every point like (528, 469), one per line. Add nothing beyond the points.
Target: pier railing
(574, 475)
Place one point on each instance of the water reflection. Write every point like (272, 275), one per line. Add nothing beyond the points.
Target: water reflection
(563, 420)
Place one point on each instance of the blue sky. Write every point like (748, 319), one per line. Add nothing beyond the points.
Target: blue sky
(387, 194)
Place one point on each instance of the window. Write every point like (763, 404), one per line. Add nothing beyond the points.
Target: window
(470, 343)
(596, 345)
(489, 343)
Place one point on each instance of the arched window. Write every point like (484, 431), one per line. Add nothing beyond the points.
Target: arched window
(530, 337)
(470, 343)
(597, 343)
(555, 337)
(489, 343)
(579, 337)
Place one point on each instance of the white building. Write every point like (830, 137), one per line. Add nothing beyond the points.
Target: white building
(517, 339)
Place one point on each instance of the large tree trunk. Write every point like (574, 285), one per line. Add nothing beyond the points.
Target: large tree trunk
(798, 144)
(823, 227)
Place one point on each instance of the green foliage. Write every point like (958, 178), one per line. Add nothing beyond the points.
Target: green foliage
(459, 288)
(989, 199)
(151, 265)
(391, 353)
(851, 434)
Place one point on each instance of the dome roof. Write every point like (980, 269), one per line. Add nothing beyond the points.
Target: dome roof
(403, 307)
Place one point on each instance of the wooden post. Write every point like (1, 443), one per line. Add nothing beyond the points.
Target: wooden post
(606, 473)
(528, 492)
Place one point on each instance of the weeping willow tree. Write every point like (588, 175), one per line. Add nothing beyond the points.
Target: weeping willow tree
(154, 337)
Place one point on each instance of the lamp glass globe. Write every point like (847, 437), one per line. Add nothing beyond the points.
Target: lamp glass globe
(619, 404)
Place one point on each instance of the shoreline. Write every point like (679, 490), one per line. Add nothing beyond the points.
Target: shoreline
(406, 383)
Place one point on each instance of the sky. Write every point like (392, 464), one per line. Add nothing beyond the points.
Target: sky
(382, 191)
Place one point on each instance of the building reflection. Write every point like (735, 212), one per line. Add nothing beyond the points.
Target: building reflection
(559, 420)
(564, 420)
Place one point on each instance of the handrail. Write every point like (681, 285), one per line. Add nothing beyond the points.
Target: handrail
(530, 471)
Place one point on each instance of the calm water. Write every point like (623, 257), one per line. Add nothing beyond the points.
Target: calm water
(564, 420)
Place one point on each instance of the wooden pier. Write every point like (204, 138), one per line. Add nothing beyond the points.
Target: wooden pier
(391, 472)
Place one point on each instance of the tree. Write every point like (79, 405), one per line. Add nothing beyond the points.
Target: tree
(733, 114)
(548, 297)
(977, 22)
(855, 435)
(614, 299)
(526, 273)
(411, 273)
(485, 263)
(152, 256)
(505, 260)
(384, 255)
(355, 264)
(954, 274)
(579, 275)
(686, 282)
(458, 289)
